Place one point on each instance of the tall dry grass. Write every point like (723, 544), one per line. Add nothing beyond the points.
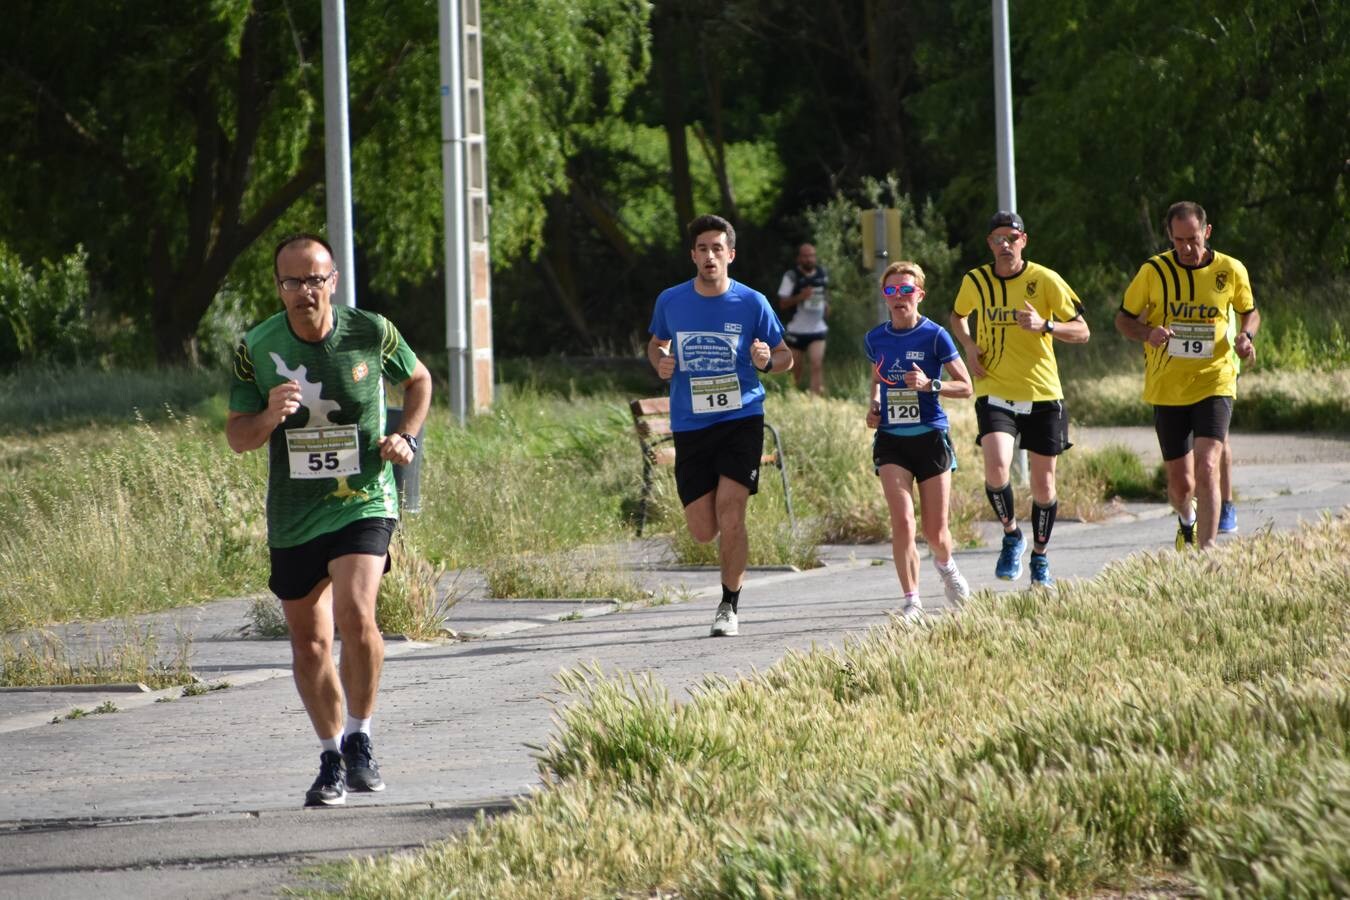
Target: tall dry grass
(1182, 715)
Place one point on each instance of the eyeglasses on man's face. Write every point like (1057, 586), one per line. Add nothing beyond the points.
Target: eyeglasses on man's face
(313, 282)
(1006, 240)
(904, 290)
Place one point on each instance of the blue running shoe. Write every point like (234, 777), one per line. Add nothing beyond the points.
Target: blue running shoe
(1009, 566)
(1040, 571)
(1228, 517)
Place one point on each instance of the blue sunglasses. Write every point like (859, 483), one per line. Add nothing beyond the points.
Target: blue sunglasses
(904, 290)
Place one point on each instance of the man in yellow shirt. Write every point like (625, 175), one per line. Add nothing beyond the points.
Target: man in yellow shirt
(1007, 316)
(1177, 307)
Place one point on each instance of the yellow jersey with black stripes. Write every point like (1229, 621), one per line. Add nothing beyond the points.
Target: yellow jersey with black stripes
(1020, 364)
(1194, 302)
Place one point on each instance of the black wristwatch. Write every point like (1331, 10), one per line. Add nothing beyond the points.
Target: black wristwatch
(412, 441)
(768, 366)
(1048, 327)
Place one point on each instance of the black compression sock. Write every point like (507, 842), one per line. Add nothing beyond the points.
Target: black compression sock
(1043, 521)
(1001, 499)
(730, 596)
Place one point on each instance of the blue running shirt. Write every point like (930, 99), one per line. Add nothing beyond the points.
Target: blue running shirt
(714, 379)
(892, 354)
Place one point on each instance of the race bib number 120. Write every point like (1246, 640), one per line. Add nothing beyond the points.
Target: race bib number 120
(715, 393)
(324, 452)
(902, 407)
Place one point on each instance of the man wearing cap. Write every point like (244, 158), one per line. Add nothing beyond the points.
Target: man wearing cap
(1178, 307)
(1007, 316)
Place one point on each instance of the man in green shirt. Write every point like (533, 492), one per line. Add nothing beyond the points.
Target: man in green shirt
(309, 383)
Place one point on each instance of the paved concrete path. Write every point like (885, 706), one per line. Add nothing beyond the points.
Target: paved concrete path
(199, 796)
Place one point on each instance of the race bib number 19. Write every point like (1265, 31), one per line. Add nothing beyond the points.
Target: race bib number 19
(902, 407)
(324, 452)
(1191, 340)
(715, 393)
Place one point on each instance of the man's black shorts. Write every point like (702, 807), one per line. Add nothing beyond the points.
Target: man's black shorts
(1044, 430)
(922, 455)
(296, 570)
(704, 455)
(802, 341)
(1178, 426)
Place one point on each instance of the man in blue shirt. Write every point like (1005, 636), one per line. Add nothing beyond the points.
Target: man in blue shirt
(711, 337)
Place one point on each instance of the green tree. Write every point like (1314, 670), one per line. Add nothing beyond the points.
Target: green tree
(170, 137)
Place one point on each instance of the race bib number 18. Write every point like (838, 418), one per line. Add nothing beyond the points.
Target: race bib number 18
(902, 407)
(324, 452)
(1191, 340)
(715, 393)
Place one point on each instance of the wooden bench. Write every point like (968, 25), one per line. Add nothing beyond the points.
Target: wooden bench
(651, 421)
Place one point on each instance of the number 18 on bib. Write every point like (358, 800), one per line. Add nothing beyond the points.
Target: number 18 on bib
(715, 393)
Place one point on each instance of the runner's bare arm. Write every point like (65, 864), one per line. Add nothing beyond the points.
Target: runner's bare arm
(956, 386)
(1248, 325)
(874, 404)
(416, 402)
(658, 354)
(1135, 330)
(961, 331)
(249, 431)
(761, 354)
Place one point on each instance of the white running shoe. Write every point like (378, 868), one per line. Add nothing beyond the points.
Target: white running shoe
(912, 611)
(724, 623)
(954, 585)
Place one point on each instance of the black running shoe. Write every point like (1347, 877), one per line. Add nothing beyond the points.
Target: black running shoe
(328, 789)
(362, 772)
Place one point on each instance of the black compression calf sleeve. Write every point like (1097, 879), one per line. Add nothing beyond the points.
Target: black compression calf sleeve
(1001, 499)
(732, 597)
(1043, 522)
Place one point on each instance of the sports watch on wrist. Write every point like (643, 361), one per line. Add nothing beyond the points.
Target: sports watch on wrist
(1048, 327)
(768, 366)
(935, 385)
(411, 439)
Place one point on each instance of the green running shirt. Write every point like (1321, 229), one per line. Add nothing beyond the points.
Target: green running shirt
(323, 466)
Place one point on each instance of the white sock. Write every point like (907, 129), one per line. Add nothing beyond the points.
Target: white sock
(331, 743)
(354, 725)
(1189, 518)
(913, 597)
(947, 568)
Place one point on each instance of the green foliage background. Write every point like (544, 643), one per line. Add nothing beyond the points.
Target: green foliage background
(154, 151)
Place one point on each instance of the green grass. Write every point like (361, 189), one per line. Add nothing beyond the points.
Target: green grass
(132, 656)
(1266, 401)
(106, 521)
(127, 516)
(61, 398)
(1116, 471)
(1182, 720)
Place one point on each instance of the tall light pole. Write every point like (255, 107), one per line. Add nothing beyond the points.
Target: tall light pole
(452, 169)
(1003, 118)
(1007, 171)
(337, 149)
